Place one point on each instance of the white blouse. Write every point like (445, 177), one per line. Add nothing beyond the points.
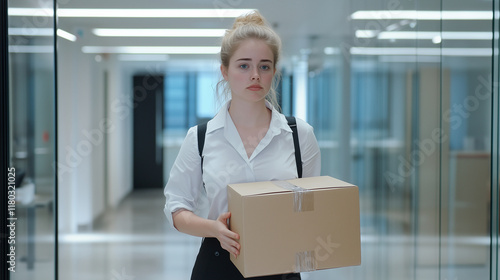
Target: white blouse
(226, 162)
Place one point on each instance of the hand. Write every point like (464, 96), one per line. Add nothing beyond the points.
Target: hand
(228, 239)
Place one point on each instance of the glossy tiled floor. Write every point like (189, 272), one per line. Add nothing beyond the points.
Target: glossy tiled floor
(135, 242)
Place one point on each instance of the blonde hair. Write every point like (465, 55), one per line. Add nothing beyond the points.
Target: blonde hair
(250, 26)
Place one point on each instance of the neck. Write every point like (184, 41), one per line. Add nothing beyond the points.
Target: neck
(249, 114)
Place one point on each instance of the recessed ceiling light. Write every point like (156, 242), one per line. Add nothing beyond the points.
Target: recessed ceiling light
(366, 33)
(14, 31)
(31, 49)
(410, 59)
(66, 35)
(471, 52)
(425, 35)
(152, 49)
(131, 13)
(143, 57)
(123, 32)
(430, 35)
(437, 39)
(423, 15)
(331, 50)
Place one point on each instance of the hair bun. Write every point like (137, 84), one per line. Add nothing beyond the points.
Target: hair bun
(253, 17)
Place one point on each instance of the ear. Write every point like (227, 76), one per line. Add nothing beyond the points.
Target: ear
(223, 70)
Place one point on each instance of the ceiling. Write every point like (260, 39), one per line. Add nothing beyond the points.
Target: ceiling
(303, 25)
(295, 21)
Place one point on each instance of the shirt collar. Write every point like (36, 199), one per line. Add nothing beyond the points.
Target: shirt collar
(278, 120)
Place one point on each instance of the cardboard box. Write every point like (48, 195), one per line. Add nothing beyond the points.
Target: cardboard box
(295, 225)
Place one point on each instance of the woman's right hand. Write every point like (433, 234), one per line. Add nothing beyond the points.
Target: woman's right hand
(228, 239)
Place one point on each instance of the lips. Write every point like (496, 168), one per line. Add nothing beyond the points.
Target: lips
(254, 87)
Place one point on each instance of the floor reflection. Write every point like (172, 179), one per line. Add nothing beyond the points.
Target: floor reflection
(134, 241)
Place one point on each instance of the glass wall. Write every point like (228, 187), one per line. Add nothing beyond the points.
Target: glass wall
(419, 85)
(32, 136)
(402, 95)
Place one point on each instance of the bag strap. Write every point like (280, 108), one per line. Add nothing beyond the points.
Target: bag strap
(202, 130)
(292, 123)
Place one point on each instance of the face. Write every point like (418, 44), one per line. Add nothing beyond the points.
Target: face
(250, 71)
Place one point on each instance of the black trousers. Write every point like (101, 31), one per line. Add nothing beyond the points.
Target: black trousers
(213, 263)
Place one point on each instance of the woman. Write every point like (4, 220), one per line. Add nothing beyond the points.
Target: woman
(247, 141)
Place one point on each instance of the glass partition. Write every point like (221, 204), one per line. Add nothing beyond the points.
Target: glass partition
(402, 95)
(419, 83)
(33, 136)
(465, 164)
(495, 146)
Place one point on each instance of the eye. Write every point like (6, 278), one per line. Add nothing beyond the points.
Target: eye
(244, 66)
(265, 67)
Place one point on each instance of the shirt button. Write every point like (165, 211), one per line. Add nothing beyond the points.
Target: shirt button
(216, 253)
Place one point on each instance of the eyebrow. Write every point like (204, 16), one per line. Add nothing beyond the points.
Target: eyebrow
(249, 59)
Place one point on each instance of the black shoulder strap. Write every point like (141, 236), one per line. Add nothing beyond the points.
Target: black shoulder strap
(202, 130)
(292, 123)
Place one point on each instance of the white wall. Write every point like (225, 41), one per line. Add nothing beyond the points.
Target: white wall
(120, 138)
(83, 129)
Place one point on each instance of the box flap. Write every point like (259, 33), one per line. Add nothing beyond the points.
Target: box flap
(321, 182)
(268, 187)
(258, 188)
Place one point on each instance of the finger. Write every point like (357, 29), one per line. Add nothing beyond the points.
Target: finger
(230, 241)
(224, 216)
(236, 251)
(231, 246)
(236, 236)
(231, 234)
(232, 250)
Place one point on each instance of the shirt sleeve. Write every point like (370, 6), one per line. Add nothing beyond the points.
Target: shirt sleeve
(185, 183)
(310, 153)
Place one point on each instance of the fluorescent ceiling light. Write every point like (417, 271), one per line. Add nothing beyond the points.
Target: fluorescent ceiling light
(423, 15)
(423, 51)
(404, 35)
(331, 50)
(30, 49)
(66, 35)
(132, 13)
(15, 31)
(410, 59)
(152, 49)
(366, 33)
(31, 12)
(122, 32)
(143, 57)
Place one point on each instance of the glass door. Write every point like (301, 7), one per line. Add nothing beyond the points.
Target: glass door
(32, 138)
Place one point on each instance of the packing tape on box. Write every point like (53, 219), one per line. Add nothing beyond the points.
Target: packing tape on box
(303, 198)
(305, 261)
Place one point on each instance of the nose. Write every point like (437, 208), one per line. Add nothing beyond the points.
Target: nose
(255, 76)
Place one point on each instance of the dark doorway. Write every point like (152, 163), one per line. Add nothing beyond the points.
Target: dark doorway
(148, 131)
